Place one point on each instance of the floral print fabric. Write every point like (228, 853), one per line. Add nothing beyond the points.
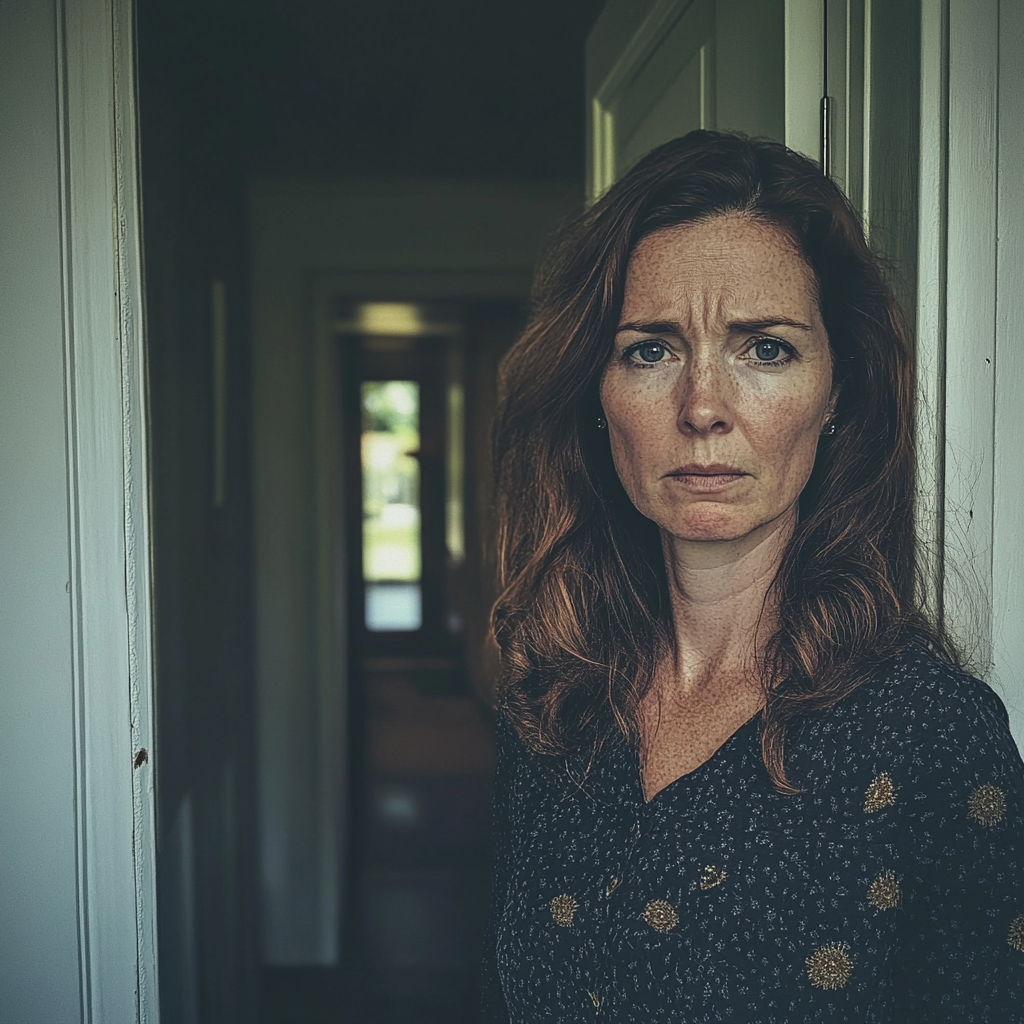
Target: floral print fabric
(890, 889)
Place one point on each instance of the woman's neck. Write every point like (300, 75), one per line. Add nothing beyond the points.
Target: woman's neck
(721, 607)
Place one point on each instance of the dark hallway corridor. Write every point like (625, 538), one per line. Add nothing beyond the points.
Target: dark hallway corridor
(398, 151)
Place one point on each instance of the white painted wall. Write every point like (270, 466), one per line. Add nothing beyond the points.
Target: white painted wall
(971, 283)
(970, 337)
(1008, 411)
(76, 841)
(38, 878)
(312, 240)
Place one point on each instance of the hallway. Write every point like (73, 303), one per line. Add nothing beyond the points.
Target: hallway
(325, 786)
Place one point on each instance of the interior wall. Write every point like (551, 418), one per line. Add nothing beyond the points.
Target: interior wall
(485, 239)
(1008, 419)
(38, 886)
(983, 381)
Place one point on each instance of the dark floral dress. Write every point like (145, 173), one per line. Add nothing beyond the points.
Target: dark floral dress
(890, 889)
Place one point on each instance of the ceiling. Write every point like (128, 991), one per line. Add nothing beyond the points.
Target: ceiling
(411, 88)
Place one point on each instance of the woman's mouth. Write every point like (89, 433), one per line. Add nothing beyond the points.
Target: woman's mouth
(711, 477)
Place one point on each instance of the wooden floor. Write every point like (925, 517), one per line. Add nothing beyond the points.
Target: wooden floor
(421, 880)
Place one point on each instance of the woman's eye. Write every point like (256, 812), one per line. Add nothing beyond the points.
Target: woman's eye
(771, 351)
(767, 350)
(648, 351)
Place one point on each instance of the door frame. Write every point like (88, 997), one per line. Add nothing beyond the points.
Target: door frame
(109, 536)
(338, 711)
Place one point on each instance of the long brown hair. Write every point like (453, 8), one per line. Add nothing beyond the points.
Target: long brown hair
(583, 613)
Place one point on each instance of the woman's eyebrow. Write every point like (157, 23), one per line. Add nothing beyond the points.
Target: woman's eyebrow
(766, 323)
(654, 327)
(670, 327)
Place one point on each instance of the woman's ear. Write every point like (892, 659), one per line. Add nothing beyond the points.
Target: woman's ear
(828, 423)
(833, 401)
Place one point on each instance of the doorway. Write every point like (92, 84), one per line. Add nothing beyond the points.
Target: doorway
(393, 152)
(420, 737)
(415, 384)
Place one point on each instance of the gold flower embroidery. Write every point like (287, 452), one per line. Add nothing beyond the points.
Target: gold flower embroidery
(661, 915)
(1015, 936)
(711, 876)
(881, 793)
(884, 892)
(563, 910)
(830, 966)
(987, 805)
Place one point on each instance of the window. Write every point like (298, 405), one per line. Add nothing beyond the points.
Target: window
(404, 398)
(392, 540)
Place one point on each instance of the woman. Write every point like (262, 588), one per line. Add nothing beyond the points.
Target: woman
(739, 775)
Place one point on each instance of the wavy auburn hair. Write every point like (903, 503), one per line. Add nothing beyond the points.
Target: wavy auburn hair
(583, 612)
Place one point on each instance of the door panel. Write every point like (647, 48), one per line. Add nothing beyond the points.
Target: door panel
(688, 64)
(677, 110)
(750, 73)
(662, 98)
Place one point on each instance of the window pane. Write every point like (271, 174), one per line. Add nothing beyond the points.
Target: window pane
(391, 504)
(454, 531)
(393, 607)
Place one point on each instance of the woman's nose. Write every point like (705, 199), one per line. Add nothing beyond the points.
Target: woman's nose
(704, 405)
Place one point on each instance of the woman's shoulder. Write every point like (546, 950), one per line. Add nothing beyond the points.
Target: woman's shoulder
(920, 697)
(920, 694)
(918, 711)
(514, 755)
(509, 747)
(916, 695)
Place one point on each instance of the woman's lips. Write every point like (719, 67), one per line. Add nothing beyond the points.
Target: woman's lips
(714, 477)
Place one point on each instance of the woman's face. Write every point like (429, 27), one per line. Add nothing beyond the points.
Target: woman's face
(721, 379)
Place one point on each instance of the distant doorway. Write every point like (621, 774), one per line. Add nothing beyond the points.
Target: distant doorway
(417, 392)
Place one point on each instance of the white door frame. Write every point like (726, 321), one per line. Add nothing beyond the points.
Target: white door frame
(111, 660)
(967, 342)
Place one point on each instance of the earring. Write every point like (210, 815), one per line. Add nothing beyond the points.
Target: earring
(602, 423)
(830, 428)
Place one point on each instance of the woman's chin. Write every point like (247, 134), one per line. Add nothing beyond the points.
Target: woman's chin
(722, 535)
(722, 528)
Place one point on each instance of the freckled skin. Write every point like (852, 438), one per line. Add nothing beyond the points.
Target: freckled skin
(732, 383)
(706, 400)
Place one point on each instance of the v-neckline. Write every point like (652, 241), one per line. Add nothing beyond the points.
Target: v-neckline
(727, 742)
